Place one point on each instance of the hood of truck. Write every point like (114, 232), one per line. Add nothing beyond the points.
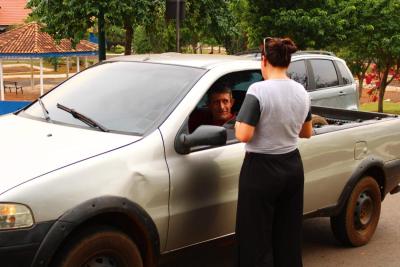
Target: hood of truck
(30, 148)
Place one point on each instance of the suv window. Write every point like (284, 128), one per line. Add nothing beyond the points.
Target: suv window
(324, 73)
(297, 71)
(346, 75)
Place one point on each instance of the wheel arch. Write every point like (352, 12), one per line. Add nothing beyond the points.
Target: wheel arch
(370, 166)
(113, 211)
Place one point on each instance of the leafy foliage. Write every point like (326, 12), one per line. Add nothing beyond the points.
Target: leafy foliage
(141, 43)
(372, 37)
(71, 19)
(309, 23)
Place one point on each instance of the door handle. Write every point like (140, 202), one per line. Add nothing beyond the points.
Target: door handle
(342, 93)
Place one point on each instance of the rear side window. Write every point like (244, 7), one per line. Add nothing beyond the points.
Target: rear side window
(297, 71)
(324, 73)
(346, 75)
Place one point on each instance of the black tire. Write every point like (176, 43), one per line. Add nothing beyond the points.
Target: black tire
(100, 247)
(357, 222)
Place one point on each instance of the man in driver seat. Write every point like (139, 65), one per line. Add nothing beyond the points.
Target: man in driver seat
(219, 109)
(220, 102)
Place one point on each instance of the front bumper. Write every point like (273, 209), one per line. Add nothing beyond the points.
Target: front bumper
(18, 247)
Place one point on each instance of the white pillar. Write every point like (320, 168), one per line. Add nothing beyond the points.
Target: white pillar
(86, 62)
(32, 81)
(77, 65)
(1, 80)
(67, 67)
(41, 77)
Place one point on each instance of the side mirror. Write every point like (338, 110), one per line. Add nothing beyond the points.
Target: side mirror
(204, 135)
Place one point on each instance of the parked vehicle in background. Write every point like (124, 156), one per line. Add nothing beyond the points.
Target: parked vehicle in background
(325, 76)
(104, 168)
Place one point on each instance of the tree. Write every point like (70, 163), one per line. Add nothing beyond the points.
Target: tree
(310, 24)
(129, 14)
(207, 20)
(372, 37)
(71, 19)
(141, 43)
(225, 28)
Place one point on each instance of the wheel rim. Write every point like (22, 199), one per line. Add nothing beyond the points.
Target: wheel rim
(364, 210)
(102, 261)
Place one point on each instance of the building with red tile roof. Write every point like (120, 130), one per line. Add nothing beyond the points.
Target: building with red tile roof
(29, 41)
(13, 12)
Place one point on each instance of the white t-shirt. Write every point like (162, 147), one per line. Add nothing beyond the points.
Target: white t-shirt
(277, 108)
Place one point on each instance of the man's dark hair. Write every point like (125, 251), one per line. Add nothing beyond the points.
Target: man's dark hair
(218, 89)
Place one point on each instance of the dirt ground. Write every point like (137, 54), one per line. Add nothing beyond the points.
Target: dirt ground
(392, 96)
(30, 94)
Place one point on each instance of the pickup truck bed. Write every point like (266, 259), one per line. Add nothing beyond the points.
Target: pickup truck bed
(339, 119)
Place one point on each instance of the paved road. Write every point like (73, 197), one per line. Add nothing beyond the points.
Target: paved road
(320, 249)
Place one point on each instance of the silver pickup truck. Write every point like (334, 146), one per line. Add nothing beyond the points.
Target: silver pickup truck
(104, 169)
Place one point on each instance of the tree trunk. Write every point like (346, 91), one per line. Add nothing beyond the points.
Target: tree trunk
(382, 89)
(128, 38)
(212, 50)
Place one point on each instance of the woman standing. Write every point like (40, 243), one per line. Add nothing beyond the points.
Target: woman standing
(274, 114)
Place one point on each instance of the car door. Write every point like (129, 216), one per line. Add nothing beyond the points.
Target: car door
(324, 86)
(349, 94)
(204, 182)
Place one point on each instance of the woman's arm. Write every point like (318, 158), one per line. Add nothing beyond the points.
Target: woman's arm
(306, 130)
(243, 131)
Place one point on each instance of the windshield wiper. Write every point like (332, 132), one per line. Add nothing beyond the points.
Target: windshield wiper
(83, 118)
(45, 111)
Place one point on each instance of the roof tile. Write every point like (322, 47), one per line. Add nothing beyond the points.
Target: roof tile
(29, 39)
(13, 12)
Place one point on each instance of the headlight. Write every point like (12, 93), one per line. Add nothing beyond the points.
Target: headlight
(14, 216)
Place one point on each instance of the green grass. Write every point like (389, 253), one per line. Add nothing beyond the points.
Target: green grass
(388, 107)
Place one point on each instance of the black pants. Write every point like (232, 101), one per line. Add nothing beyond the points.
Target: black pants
(270, 209)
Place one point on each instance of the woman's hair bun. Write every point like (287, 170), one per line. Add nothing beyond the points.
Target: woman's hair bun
(279, 51)
(289, 44)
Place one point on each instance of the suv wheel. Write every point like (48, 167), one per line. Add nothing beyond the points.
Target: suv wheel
(356, 223)
(100, 247)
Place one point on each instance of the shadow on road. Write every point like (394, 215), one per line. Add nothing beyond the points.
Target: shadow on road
(222, 253)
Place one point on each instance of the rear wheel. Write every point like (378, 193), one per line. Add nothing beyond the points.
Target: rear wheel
(357, 222)
(100, 247)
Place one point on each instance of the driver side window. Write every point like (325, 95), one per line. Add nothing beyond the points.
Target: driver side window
(222, 102)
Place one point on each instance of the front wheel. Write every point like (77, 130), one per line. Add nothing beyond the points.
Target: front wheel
(357, 222)
(100, 247)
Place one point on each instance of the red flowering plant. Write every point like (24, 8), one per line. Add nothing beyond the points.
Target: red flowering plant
(373, 80)
(372, 83)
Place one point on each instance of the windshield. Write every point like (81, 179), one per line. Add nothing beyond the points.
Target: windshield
(131, 97)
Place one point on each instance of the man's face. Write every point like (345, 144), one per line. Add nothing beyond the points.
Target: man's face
(220, 106)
